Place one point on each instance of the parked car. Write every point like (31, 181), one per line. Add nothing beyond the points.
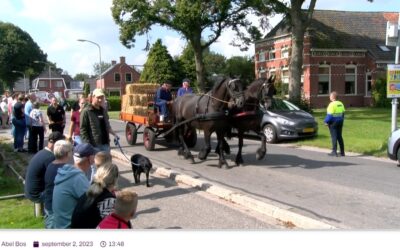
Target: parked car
(283, 120)
(393, 149)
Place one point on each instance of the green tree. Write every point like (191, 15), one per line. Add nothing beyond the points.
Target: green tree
(18, 51)
(81, 77)
(194, 20)
(159, 65)
(104, 67)
(86, 89)
(241, 66)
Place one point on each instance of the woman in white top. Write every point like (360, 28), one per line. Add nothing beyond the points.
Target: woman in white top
(38, 127)
(4, 112)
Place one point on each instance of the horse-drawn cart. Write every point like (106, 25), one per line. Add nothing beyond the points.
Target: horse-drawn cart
(139, 109)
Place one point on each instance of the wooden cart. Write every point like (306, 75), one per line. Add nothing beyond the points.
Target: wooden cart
(146, 114)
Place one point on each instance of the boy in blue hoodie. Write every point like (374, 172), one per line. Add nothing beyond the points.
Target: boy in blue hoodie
(71, 183)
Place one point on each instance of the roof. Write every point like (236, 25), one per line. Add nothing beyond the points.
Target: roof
(346, 29)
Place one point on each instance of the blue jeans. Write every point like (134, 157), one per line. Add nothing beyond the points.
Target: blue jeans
(48, 219)
(163, 108)
(19, 132)
(335, 129)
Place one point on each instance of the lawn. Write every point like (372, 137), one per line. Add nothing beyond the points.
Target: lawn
(365, 131)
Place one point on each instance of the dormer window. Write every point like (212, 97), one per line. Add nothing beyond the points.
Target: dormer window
(383, 47)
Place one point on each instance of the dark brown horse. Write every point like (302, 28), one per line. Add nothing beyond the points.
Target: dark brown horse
(208, 112)
(259, 92)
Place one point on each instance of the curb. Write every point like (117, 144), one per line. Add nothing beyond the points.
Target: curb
(289, 218)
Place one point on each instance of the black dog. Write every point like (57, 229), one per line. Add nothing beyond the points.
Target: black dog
(141, 164)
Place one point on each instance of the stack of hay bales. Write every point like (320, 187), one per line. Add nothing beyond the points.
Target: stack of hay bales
(137, 97)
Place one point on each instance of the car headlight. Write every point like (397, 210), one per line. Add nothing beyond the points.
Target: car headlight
(284, 121)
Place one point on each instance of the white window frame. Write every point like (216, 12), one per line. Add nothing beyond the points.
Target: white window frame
(368, 74)
(285, 80)
(58, 84)
(272, 72)
(261, 56)
(271, 52)
(355, 78)
(285, 52)
(126, 78)
(42, 84)
(329, 79)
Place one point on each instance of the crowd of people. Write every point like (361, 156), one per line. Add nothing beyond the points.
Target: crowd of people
(73, 175)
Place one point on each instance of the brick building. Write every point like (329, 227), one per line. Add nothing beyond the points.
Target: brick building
(117, 76)
(343, 51)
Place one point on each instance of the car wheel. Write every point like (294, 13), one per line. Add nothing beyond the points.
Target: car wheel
(270, 133)
(398, 156)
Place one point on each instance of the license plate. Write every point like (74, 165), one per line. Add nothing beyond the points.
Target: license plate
(308, 130)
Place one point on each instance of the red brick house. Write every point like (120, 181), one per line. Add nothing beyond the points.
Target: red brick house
(49, 81)
(343, 51)
(115, 78)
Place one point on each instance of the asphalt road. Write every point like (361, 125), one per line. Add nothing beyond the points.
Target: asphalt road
(354, 192)
(167, 205)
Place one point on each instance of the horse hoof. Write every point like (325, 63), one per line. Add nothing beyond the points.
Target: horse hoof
(260, 155)
(202, 155)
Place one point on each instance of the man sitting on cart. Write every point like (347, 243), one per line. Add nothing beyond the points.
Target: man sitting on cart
(164, 98)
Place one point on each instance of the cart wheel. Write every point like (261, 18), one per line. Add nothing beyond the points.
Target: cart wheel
(149, 139)
(131, 133)
(191, 138)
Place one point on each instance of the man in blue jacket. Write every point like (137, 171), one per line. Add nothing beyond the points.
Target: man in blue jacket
(164, 98)
(71, 183)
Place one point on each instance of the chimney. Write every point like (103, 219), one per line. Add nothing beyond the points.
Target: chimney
(113, 62)
(122, 59)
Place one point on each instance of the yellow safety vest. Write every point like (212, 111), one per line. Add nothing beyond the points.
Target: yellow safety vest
(335, 108)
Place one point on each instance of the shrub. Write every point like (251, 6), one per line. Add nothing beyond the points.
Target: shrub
(379, 93)
(114, 103)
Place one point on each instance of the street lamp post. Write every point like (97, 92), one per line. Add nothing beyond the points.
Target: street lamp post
(98, 46)
(16, 71)
(48, 64)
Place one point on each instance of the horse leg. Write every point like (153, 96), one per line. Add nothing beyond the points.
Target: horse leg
(186, 152)
(239, 159)
(263, 149)
(225, 146)
(222, 162)
(207, 147)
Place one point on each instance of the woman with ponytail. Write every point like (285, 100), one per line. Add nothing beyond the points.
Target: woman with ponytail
(99, 200)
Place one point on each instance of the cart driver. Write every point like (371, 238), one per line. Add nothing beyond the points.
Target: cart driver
(164, 98)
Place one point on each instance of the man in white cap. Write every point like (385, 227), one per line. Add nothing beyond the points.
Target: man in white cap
(94, 123)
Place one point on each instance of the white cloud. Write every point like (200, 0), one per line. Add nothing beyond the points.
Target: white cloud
(175, 45)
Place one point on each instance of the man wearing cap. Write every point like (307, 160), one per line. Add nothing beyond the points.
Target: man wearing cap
(185, 89)
(94, 123)
(34, 178)
(71, 183)
(164, 98)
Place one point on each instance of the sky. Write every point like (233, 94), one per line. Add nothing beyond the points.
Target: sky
(55, 25)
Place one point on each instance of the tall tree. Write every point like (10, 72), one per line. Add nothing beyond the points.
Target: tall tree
(81, 77)
(159, 65)
(241, 66)
(194, 20)
(18, 51)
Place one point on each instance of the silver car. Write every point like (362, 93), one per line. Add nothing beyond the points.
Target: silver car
(393, 149)
(283, 120)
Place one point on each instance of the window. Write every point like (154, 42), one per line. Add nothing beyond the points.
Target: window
(285, 75)
(114, 93)
(261, 56)
(323, 80)
(128, 77)
(117, 77)
(271, 54)
(58, 84)
(272, 72)
(383, 48)
(42, 84)
(350, 80)
(368, 84)
(285, 52)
